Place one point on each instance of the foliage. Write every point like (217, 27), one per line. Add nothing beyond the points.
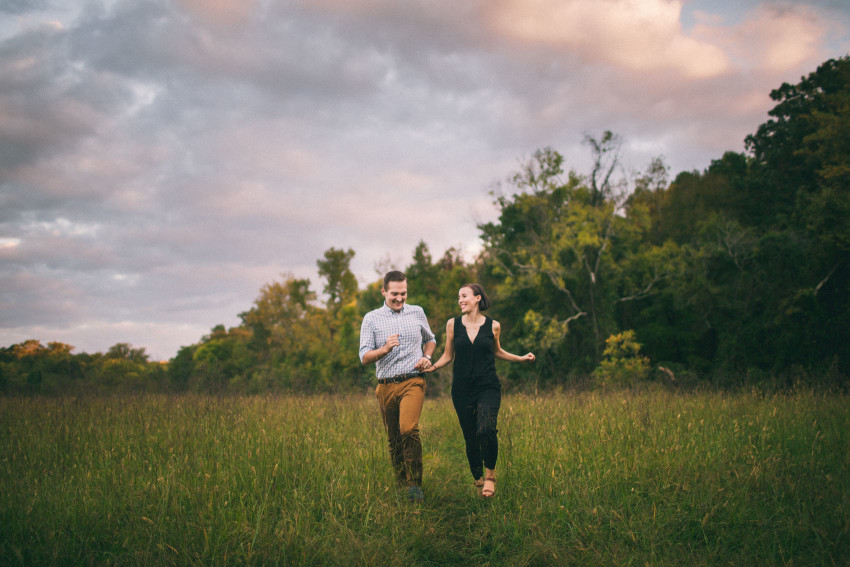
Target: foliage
(30, 367)
(565, 254)
(341, 286)
(622, 364)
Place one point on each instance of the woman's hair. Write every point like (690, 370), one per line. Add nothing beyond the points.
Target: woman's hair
(479, 291)
(393, 276)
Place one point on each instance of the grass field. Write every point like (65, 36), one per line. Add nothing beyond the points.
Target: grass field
(650, 478)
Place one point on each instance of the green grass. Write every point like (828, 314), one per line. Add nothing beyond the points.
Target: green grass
(647, 478)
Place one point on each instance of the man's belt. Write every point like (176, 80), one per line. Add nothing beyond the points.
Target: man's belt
(399, 378)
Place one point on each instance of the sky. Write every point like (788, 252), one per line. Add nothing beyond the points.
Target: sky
(161, 161)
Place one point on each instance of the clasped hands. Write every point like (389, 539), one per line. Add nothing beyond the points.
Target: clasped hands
(424, 365)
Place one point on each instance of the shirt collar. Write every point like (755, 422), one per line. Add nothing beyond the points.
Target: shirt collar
(388, 310)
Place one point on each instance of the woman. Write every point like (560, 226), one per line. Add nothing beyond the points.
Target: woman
(472, 342)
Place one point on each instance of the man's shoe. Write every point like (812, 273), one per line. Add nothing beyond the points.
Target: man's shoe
(415, 494)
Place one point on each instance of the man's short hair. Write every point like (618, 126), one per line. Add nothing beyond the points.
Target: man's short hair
(393, 276)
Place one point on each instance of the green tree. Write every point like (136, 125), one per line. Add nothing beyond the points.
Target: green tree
(675, 210)
(340, 281)
(800, 161)
(763, 276)
(34, 368)
(181, 368)
(125, 351)
(275, 314)
(277, 323)
(335, 333)
(558, 251)
(222, 360)
(790, 149)
(423, 277)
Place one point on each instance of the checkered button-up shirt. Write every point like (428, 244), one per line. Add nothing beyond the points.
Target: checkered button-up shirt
(413, 332)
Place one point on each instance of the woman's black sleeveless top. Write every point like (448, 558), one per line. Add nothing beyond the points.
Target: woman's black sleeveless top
(474, 360)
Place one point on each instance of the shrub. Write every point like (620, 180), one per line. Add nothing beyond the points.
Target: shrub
(622, 365)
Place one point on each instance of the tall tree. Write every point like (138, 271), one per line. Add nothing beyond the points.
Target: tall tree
(790, 148)
(558, 251)
(765, 239)
(341, 283)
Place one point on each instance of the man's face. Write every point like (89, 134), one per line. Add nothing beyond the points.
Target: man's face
(395, 295)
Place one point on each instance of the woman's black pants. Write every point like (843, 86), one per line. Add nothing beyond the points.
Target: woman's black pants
(477, 407)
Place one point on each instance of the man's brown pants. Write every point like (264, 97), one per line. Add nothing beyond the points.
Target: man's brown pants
(401, 406)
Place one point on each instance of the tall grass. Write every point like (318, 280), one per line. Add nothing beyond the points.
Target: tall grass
(589, 479)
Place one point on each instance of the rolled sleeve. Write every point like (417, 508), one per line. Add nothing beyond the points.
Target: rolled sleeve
(367, 337)
(427, 335)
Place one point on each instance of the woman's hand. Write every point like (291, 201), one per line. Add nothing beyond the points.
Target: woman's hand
(527, 358)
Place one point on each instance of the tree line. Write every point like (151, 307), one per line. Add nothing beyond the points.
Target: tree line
(729, 276)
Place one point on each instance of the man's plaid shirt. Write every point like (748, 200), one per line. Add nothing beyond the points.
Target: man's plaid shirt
(413, 332)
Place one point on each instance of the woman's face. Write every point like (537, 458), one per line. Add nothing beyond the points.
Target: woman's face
(467, 300)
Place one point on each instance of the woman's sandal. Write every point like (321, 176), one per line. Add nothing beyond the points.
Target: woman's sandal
(488, 492)
(479, 485)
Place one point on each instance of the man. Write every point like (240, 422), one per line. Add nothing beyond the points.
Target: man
(398, 339)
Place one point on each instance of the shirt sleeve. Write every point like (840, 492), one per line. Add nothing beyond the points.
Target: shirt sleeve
(427, 335)
(367, 337)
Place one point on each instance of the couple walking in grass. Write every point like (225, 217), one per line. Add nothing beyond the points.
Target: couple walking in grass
(397, 338)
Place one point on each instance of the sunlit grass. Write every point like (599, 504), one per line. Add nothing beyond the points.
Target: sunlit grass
(609, 479)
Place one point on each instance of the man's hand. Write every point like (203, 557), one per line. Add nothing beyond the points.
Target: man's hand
(392, 342)
(423, 364)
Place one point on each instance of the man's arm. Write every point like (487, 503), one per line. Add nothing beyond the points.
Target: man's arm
(429, 344)
(367, 339)
(369, 351)
(429, 348)
(377, 354)
(424, 361)
(449, 350)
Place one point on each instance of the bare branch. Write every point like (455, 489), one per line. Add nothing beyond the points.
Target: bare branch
(826, 279)
(562, 289)
(569, 320)
(608, 229)
(645, 293)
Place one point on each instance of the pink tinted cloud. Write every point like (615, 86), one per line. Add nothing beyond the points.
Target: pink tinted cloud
(221, 12)
(772, 40)
(638, 36)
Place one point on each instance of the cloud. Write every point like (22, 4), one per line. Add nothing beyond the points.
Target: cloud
(36, 111)
(772, 39)
(221, 12)
(23, 6)
(638, 36)
(161, 161)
